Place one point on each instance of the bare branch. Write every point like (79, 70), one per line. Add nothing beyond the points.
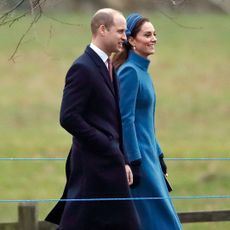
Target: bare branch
(34, 5)
(5, 15)
(36, 11)
(62, 22)
(179, 24)
(20, 41)
(177, 2)
(11, 21)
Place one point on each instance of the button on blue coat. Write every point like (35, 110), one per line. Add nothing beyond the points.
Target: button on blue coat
(137, 106)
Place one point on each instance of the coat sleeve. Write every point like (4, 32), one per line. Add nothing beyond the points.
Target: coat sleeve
(74, 102)
(158, 147)
(129, 84)
(159, 150)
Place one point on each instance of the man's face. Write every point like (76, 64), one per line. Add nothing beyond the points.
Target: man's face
(115, 35)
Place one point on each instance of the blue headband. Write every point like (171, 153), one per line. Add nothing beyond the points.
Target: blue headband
(132, 20)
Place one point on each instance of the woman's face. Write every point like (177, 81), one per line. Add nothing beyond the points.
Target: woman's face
(145, 40)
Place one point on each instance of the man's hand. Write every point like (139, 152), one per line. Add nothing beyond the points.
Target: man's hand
(129, 174)
(136, 170)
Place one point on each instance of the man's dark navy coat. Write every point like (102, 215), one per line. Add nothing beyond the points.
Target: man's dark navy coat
(95, 166)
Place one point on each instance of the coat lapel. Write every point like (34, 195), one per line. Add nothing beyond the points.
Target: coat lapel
(116, 85)
(104, 73)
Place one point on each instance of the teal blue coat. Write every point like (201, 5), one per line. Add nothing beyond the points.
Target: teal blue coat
(137, 106)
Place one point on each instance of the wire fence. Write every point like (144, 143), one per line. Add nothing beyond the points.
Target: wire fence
(27, 209)
(64, 158)
(118, 198)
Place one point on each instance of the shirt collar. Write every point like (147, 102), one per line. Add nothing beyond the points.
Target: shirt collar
(99, 52)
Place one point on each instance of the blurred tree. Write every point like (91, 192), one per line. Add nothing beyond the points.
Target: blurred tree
(17, 4)
(220, 5)
(207, 5)
(14, 10)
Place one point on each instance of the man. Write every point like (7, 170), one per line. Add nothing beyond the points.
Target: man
(96, 166)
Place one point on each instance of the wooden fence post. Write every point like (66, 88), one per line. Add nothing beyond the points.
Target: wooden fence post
(27, 216)
(204, 216)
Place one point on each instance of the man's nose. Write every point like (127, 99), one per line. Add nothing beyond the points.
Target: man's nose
(124, 37)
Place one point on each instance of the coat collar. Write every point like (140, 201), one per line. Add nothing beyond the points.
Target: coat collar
(101, 67)
(140, 61)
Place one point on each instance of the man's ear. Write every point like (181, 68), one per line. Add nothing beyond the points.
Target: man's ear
(102, 30)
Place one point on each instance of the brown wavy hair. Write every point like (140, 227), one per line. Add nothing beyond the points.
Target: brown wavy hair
(120, 57)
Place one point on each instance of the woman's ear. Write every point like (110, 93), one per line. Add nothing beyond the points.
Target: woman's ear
(131, 41)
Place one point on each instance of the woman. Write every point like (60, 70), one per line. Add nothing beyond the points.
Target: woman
(137, 105)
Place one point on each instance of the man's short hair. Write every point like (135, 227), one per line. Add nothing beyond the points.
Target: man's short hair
(101, 18)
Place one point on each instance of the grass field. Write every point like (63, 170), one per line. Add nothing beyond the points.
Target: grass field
(191, 75)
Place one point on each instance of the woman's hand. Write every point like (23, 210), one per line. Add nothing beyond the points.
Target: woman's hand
(163, 165)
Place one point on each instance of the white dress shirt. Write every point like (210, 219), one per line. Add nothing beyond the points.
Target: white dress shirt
(104, 57)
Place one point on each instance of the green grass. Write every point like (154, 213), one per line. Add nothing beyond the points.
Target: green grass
(191, 75)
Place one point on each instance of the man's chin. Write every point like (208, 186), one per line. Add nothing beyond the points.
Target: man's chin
(119, 49)
(116, 51)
